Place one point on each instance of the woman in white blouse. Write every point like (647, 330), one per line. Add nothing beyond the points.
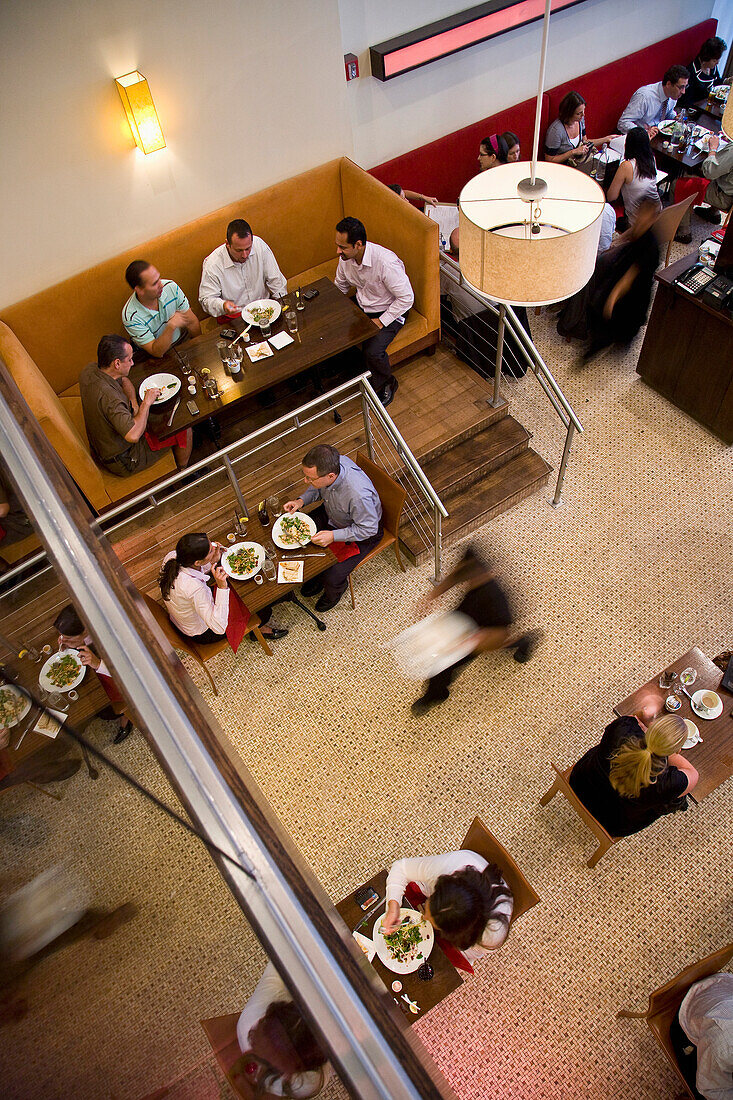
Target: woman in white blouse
(194, 609)
(281, 1055)
(468, 901)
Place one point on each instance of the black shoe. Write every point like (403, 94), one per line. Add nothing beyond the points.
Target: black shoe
(312, 587)
(683, 238)
(387, 394)
(327, 602)
(124, 732)
(425, 703)
(275, 633)
(708, 214)
(526, 646)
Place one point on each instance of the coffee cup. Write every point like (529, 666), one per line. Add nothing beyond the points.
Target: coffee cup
(709, 700)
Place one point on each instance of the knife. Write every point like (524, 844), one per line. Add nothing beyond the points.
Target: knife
(173, 412)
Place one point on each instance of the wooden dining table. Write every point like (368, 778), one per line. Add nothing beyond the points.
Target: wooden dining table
(330, 323)
(713, 756)
(424, 994)
(680, 161)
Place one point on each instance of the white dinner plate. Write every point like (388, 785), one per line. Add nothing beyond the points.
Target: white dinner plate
(365, 944)
(419, 954)
(225, 554)
(48, 684)
(709, 714)
(667, 127)
(277, 529)
(261, 303)
(433, 644)
(16, 693)
(693, 734)
(168, 383)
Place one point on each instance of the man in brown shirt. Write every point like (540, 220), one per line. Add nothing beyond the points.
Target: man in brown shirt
(114, 420)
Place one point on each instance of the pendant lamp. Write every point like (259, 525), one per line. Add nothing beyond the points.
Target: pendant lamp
(530, 240)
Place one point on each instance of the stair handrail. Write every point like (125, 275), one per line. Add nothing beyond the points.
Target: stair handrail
(543, 374)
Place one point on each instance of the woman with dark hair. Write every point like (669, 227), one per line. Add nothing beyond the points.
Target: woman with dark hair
(467, 901)
(511, 141)
(565, 140)
(636, 774)
(703, 72)
(280, 1053)
(491, 151)
(636, 175)
(184, 586)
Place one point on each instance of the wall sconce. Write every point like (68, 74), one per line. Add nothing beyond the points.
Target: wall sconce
(140, 111)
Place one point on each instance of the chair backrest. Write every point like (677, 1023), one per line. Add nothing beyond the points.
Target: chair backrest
(391, 493)
(177, 640)
(667, 999)
(221, 1031)
(479, 839)
(669, 220)
(593, 824)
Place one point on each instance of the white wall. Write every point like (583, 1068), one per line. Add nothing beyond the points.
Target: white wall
(392, 117)
(247, 93)
(723, 12)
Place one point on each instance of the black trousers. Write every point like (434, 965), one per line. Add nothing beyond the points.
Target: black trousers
(686, 1062)
(438, 686)
(336, 577)
(210, 635)
(375, 353)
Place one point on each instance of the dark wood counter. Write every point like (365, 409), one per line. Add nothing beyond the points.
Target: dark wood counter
(687, 354)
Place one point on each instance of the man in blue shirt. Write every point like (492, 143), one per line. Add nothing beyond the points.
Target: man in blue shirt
(157, 314)
(351, 512)
(654, 103)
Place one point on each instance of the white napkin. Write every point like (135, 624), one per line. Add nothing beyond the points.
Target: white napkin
(280, 340)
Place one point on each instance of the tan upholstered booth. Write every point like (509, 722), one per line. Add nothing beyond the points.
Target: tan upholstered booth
(59, 328)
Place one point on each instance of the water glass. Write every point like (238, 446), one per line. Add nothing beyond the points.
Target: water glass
(268, 568)
(299, 300)
(291, 320)
(222, 346)
(274, 507)
(688, 676)
(265, 329)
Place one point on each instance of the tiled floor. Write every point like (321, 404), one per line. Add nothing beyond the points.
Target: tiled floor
(626, 574)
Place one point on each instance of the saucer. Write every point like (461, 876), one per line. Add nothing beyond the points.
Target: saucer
(700, 711)
(693, 735)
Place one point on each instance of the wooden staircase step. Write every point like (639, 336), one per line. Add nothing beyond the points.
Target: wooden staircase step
(474, 457)
(474, 505)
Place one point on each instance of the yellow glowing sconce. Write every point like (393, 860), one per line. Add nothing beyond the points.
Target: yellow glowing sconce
(140, 111)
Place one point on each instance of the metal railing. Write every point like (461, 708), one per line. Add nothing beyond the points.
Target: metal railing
(525, 348)
(233, 454)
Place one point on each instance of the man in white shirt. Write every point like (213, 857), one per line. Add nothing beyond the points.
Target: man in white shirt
(240, 271)
(383, 291)
(157, 314)
(654, 103)
(702, 1036)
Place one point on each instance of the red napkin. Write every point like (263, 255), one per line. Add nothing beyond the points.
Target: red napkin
(3, 532)
(344, 550)
(415, 896)
(690, 185)
(113, 692)
(239, 615)
(178, 440)
(227, 317)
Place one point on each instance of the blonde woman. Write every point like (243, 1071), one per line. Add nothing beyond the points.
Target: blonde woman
(636, 774)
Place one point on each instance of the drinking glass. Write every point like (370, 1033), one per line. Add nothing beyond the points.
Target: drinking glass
(274, 507)
(688, 676)
(299, 300)
(56, 700)
(291, 320)
(268, 568)
(236, 355)
(667, 679)
(265, 329)
(222, 347)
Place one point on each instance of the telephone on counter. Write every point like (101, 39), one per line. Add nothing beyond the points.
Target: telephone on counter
(695, 279)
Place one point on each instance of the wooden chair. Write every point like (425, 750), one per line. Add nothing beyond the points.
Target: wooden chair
(392, 496)
(668, 223)
(221, 1031)
(605, 840)
(200, 653)
(664, 1003)
(479, 839)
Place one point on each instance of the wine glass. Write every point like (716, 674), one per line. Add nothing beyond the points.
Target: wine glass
(688, 676)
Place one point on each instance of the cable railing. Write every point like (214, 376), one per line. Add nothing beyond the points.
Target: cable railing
(423, 499)
(494, 345)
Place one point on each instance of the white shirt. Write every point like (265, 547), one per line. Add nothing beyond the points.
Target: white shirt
(426, 870)
(706, 1017)
(269, 989)
(222, 280)
(192, 607)
(381, 283)
(648, 106)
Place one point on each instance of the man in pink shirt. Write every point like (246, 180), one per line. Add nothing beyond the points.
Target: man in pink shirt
(383, 291)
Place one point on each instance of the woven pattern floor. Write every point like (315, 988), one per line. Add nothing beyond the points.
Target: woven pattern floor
(631, 571)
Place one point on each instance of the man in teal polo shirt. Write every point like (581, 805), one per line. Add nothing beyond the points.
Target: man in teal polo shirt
(157, 314)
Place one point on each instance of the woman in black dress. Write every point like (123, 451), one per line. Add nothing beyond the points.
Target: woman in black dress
(636, 774)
